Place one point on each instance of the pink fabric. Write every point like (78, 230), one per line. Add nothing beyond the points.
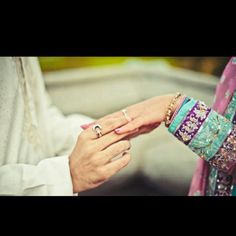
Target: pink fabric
(224, 92)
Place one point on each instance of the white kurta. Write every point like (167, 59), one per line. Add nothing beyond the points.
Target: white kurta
(35, 138)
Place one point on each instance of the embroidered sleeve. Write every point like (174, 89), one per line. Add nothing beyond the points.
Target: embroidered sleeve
(207, 133)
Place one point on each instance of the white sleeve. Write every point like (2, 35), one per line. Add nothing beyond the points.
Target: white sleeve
(64, 130)
(51, 177)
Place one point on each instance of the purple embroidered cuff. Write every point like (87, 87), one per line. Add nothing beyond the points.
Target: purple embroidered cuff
(192, 122)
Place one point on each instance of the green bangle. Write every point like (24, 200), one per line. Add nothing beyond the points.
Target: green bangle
(181, 115)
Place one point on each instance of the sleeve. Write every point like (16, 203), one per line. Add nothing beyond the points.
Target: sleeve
(208, 134)
(63, 130)
(51, 177)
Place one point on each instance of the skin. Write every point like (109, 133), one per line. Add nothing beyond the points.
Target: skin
(146, 116)
(91, 159)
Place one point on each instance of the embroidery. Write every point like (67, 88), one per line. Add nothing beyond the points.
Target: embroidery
(225, 158)
(212, 182)
(192, 122)
(211, 135)
(230, 111)
(224, 185)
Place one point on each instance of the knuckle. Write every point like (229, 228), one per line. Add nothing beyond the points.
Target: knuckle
(125, 160)
(127, 144)
(101, 174)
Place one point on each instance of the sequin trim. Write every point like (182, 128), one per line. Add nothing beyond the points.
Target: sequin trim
(225, 158)
(192, 122)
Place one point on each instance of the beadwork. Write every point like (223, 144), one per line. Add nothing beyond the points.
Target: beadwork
(225, 158)
(210, 136)
(192, 122)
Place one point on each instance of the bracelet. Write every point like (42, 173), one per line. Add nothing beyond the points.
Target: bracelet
(181, 103)
(170, 107)
(179, 118)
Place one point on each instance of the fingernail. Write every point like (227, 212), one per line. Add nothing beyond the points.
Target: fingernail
(118, 131)
(86, 126)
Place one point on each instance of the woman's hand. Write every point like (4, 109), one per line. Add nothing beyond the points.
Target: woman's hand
(91, 161)
(147, 115)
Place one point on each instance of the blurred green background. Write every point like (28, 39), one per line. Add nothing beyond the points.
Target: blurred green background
(209, 65)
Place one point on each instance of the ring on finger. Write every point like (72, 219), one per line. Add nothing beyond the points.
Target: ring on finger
(98, 130)
(126, 116)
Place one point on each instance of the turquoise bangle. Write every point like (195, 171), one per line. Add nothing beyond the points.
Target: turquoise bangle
(181, 115)
(204, 143)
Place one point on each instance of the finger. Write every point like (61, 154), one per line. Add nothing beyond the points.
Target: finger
(86, 126)
(130, 127)
(115, 166)
(109, 139)
(107, 124)
(143, 130)
(113, 151)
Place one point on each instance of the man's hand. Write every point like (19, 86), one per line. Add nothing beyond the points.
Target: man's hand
(91, 162)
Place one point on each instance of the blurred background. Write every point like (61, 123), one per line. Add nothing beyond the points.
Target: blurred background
(96, 86)
(209, 65)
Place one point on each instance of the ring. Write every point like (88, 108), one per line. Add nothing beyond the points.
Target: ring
(97, 129)
(126, 116)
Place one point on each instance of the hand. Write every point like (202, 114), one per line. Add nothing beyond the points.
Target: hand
(147, 115)
(91, 162)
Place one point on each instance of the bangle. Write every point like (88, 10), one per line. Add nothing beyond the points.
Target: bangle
(169, 109)
(181, 103)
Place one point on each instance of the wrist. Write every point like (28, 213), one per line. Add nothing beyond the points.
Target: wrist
(173, 102)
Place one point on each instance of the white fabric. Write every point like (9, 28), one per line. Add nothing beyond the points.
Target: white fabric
(35, 138)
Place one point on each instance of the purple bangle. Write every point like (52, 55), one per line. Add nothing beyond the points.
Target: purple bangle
(192, 122)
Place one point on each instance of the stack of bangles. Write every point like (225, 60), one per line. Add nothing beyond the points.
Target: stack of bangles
(207, 133)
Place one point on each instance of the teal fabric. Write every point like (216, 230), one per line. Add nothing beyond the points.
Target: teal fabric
(230, 111)
(234, 191)
(181, 115)
(211, 135)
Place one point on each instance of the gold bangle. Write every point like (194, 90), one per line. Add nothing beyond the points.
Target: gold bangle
(169, 109)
